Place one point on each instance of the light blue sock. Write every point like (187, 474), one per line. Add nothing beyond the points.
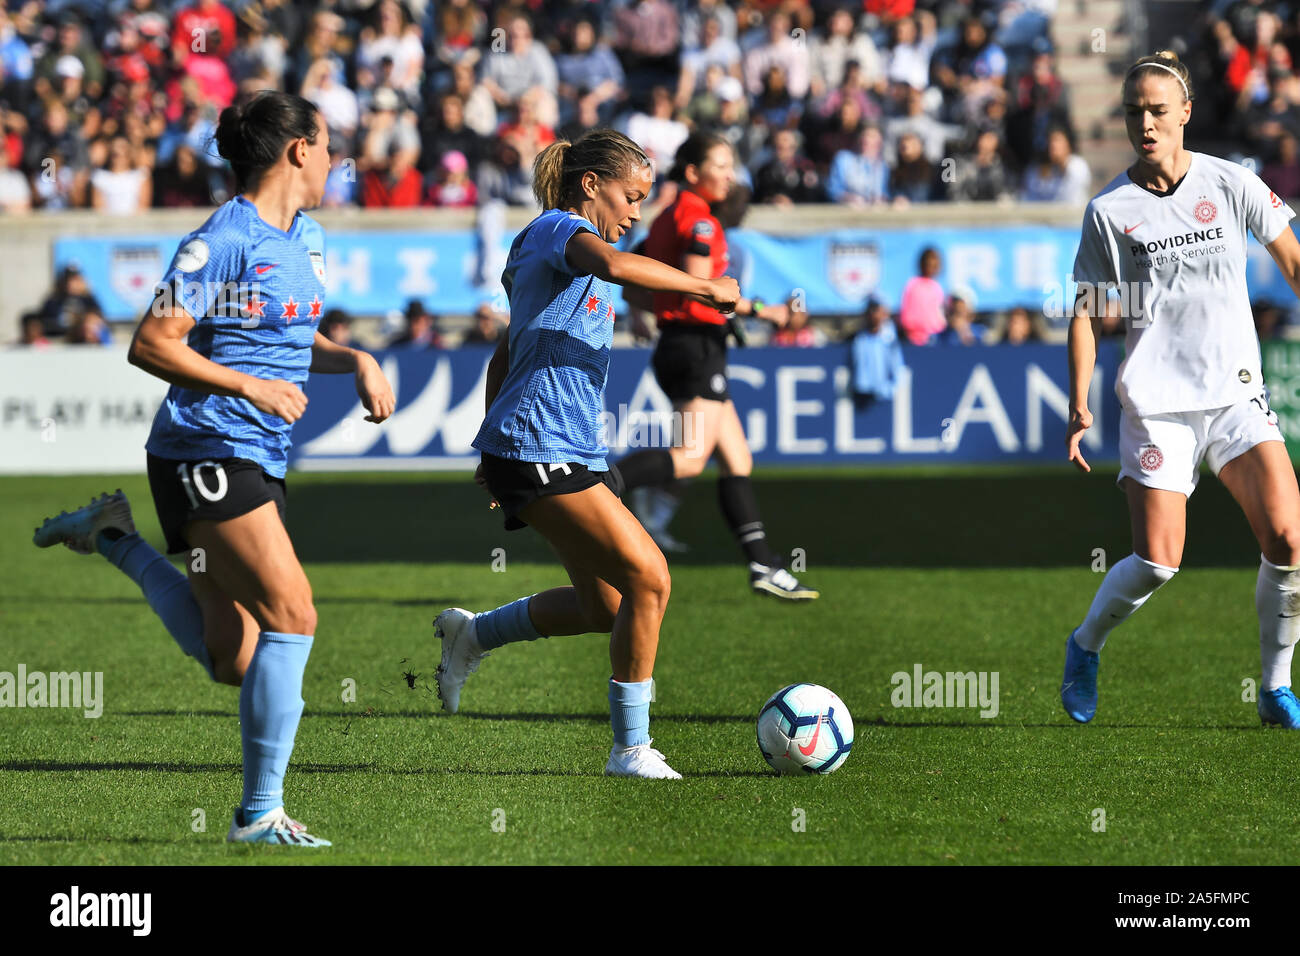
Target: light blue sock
(270, 705)
(166, 589)
(506, 625)
(629, 712)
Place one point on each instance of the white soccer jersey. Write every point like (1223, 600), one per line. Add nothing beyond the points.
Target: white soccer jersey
(1179, 260)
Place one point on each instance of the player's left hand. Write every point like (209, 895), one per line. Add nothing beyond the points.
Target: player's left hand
(373, 389)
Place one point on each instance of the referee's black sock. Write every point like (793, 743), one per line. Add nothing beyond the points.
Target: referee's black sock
(653, 466)
(736, 497)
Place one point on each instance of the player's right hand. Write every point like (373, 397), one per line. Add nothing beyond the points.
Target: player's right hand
(1080, 422)
(723, 294)
(482, 483)
(277, 397)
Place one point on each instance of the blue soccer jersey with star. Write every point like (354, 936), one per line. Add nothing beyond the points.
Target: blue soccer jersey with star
(256, 295)
(561, 327)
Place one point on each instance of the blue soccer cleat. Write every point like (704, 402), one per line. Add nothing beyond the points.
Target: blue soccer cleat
(1279, 708)
(1079, 685)
(79, 529)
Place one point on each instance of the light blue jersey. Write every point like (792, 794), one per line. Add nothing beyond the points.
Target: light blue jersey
(561, 327)
(256, 295)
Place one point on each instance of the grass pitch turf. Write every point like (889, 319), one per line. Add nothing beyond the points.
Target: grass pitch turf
(954, 570)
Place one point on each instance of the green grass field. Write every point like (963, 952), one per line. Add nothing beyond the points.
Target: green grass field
(955, 570)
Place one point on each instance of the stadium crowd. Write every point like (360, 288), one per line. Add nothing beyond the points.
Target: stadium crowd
(112, 105)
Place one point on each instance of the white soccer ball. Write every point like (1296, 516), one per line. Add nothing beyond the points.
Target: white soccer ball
(805, 728)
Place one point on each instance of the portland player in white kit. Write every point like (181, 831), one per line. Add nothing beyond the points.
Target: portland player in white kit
(1169, 234)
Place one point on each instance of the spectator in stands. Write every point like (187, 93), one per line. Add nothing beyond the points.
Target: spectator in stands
(262, 51)
(505, 179)
(479, 108)
(452, 186)
(89, 328)
(182, 183)
(70, 298)
(843, 133)
(973, 71)
(781, 50)
(694, 15)
(326, 39)
(526, 65)
(647, 40)
(840, 46)
(1038, 106)
(71, 40)
(421, 329)
(15, 191)
(982, 176)
(797, 332)
(912, 49)
(69, 90)
(877, 356)
(775, 107)
(196, 125)
(657, 130)
(525, 131)
(789, 176)
(54, 135)
(389, 130)
(851, 86)
(920, 316)
(861, 177)
(205, 26)
(450, 134)
(33, 331)
(1283, 173)
(590, 76)
(338, 104)
(57, 185)
(933, 134)
(393, 37)
(912, 180)
(964, 326)
(1060, 176)
(124, 186)
(489, 326)
(392, 182)
(1018, 328)
(462, 28)
(715, 49)
(336, 325)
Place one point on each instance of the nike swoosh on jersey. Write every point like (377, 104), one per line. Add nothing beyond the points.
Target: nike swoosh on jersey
(260, 269)
(1131, 228)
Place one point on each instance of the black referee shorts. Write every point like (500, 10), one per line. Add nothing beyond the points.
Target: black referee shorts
(691, 362)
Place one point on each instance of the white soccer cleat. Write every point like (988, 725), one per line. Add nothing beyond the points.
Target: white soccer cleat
(275, 827)
(640, 761)
(461, 654)
(78, 529)
(779, 582)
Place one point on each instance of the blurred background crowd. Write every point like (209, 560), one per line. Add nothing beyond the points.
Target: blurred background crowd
(112, 104)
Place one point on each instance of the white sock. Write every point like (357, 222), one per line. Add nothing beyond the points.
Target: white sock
(1126, 588)
(663, 505)
(1277, 601)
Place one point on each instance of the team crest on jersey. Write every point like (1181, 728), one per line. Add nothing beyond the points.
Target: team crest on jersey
(854, 268)
(1204, 211)
(1150, 458)
(318, 265)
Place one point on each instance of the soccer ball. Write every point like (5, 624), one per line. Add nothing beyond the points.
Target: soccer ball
(805, 727)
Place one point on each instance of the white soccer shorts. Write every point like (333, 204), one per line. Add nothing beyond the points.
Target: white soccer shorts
(1166, 451)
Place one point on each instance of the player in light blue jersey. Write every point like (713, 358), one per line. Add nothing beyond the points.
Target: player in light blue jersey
(543, 454)
(234, 330)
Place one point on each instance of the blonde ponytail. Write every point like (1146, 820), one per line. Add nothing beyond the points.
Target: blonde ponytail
(548, 174)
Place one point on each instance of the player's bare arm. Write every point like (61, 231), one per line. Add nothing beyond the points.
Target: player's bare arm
(1085, 329)
(373, 389)
(159, 347)
(590, 254)
(1285, 250)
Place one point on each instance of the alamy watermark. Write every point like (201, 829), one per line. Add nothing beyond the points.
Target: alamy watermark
(80, 689)
(625, 428)
(922, 688)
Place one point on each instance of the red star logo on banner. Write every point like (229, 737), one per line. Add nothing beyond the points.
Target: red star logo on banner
(255, 306)
(593, 304)
(290, 310)
(316, 304)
